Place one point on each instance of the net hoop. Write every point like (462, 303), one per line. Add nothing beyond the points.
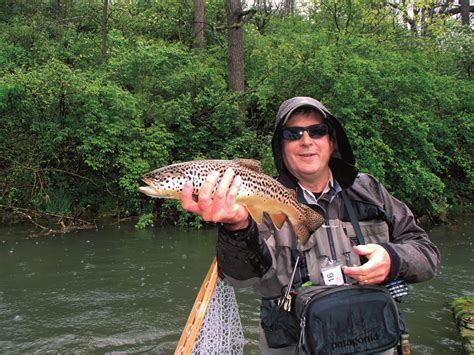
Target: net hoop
(196, 316)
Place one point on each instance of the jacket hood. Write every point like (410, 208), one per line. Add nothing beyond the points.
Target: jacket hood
(342, 161)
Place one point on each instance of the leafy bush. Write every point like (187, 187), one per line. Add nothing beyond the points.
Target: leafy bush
(77, 134)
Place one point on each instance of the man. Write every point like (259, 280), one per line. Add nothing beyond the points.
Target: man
(313, 157)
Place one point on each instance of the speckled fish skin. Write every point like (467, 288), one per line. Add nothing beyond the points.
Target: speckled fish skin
(258, 192)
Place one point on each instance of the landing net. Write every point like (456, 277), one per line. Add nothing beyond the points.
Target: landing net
(213, 325)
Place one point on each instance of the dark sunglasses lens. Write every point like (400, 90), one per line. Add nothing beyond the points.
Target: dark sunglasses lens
(314, 131)
(292, 133)
(318, 130)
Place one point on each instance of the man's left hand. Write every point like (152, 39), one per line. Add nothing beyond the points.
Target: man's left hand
(375, 270)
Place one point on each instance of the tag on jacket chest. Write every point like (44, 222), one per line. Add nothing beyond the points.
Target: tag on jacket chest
(332, 273)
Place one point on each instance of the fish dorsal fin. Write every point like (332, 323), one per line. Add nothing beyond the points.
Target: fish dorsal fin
(251, 164)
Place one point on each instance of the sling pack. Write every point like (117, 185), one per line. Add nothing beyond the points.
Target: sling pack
(347, 319)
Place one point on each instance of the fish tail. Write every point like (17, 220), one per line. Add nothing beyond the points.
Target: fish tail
(308, 221)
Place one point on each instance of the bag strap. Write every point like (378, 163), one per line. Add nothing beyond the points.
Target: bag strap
(352, 216)
(355, 223)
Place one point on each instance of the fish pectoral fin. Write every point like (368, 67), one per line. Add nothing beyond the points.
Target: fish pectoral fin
(257, 215)
(278, 219)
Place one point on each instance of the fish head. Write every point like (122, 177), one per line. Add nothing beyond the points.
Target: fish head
(165, 182)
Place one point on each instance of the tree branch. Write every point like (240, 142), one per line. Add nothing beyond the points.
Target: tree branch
(67, 223)
(457, 10)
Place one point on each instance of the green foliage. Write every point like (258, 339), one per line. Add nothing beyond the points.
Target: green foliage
(145, 220)
(410, 122)
(77, 134)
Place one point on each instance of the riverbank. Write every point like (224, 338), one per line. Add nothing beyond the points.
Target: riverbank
(47, 223)
(463, 311)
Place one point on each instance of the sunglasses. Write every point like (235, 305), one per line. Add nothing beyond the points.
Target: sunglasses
(314, 131)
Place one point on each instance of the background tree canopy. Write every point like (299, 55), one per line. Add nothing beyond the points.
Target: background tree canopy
(93, 97)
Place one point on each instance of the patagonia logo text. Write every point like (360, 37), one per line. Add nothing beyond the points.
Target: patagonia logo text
(355, 341)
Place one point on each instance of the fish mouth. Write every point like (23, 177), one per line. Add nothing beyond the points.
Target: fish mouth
(156, 193)
(152, 192)
(149, 191)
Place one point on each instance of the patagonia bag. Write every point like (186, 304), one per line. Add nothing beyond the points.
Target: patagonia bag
(347, 319)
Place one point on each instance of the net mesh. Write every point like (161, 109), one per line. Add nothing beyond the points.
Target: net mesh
(221, 330)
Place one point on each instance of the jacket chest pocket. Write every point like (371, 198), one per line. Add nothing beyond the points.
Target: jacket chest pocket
(375, 231)
(339, 247)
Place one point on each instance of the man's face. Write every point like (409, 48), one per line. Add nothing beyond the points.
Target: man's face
(308, 158)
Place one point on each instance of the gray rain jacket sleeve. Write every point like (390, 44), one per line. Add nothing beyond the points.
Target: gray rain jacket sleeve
(414, 257)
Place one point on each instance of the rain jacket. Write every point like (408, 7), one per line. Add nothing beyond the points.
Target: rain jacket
(262, 256)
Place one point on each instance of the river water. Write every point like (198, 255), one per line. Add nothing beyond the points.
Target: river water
(119, 289)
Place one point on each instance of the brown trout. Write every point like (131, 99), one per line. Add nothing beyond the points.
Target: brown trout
(258, 192)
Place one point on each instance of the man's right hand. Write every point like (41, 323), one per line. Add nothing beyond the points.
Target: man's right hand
(219, 206)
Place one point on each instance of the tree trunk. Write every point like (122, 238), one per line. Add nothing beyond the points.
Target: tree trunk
(58, 11)
(199, 39)
(465, 12)
(104, 32)
(289, 7)
(235, 46)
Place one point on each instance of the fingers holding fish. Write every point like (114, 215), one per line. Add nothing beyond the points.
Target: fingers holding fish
(233, 192)
(222, 190)
(223, 207)
(205, 201)
(234, 215)
(187, 201)
(216, 200)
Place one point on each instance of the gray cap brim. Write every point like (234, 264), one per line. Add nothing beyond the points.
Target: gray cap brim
(287, 117)
(289, 106)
